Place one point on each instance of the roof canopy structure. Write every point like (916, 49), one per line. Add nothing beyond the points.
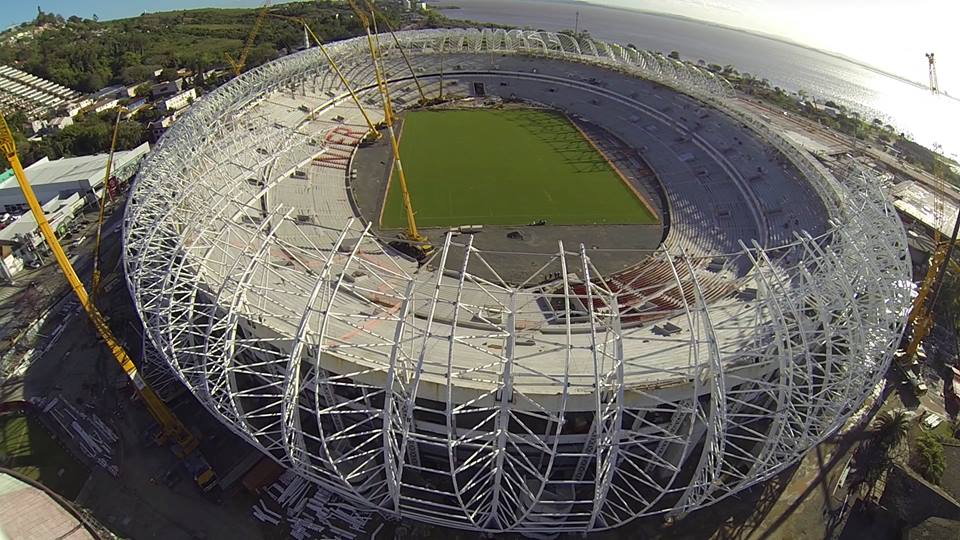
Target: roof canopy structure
(568, 401)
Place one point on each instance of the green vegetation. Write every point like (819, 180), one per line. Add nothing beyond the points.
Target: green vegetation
(90, 134)
(876, 458)
(129, 50)
(27, 448)
(929, 456)
(506, 167)
(891, 429)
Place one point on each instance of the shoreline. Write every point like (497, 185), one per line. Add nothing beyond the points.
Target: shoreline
(780, 39)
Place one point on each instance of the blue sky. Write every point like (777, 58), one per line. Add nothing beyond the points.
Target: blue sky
(17, 11)
(890, 34)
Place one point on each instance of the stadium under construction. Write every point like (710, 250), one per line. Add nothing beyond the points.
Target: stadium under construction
(524, 375)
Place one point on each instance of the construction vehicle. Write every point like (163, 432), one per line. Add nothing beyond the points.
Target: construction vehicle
(172, 431)
(241, 60)
(419, 241)
(921, 317)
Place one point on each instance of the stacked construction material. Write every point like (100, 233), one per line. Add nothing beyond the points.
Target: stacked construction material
(310, 511)
(86, 432)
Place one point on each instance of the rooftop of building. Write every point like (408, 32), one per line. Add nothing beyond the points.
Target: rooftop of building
(55, 210)
(919, 202)
(75, 168)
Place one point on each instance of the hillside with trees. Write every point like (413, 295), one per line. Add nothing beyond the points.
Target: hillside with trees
(131, 51)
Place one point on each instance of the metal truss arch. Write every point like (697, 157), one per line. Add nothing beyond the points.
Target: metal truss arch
(566, 401)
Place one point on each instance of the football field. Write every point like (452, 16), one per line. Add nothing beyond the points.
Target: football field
(506, 167)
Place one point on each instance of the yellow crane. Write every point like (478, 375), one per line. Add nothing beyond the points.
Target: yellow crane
(374, 133)
(921, 317)
(241, 60)
(95, 282)
(396, 40)
(172, 430)
(413, 234)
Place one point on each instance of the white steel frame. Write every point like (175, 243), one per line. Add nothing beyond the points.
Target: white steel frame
(459, 399)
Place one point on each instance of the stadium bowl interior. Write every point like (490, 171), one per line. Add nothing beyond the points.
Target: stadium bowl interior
(562, 385)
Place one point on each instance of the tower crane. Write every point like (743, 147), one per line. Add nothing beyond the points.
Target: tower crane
(932, 67)
(412, 233)
(172, 430)
(241, 60)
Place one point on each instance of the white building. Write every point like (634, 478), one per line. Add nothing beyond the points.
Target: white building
(918, 202)
(74, 107)
(106, 104)
(21, 242)
(157, 127)
(64, 177)
(178, 101)
(60, 122)
(119, 91)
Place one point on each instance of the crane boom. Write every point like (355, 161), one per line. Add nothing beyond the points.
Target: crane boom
(95, 282)
(413, 233)
(171, 427)
(921, 315)
(336, 69)
(241, 61)
(396, 40)
(921, 319)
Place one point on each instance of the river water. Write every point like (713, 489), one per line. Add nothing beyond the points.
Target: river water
(910, 107)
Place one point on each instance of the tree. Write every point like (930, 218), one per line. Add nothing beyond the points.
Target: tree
(148, 115)
(891, 428)
(674, 54)
(136, 74)
(930, 456)
(144, 90)
(92, 81)
(168, 74)
(130, 134)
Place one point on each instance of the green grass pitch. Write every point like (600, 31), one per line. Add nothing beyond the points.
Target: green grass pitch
(505, 167)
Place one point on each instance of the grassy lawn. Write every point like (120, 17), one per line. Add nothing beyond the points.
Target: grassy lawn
(506, 167)
(26, 447)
